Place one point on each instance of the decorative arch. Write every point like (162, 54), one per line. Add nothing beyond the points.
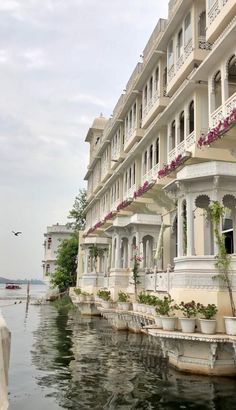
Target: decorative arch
(191, 117)
(231, 74)
(181, 126)
(217, 87)
(148, 244)
(229, 201)
(202, 201)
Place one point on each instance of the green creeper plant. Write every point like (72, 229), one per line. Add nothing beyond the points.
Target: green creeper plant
(223, 260)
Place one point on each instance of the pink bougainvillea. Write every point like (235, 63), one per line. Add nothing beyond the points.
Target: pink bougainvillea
(218, 131)
(123, 204)
(171, 167)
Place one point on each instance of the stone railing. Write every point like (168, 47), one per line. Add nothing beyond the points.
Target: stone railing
(203, 44)
(128, 134)
(133, 78)
(182, 147)
(130, 192)
(214, 11)
(160, 27)
(150, 104)
(148, 176)
(223, 111)
(115, 152)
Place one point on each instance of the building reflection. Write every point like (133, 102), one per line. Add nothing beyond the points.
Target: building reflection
(84, 364)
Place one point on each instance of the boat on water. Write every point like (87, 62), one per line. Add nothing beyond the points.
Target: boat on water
(12, 286)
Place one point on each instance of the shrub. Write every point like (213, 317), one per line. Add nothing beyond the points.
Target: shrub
(189, 309)
(123, 297)
(77, 291)
(208, 311)
(104, 295)
(165, 306)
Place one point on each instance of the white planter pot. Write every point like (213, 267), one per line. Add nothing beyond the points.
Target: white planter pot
(123, 305)
(208, 326)
(230, 325)
(135, 306)
(168, 322)
(187, 324)
(106, 304)
(158, 322)
(153, 311)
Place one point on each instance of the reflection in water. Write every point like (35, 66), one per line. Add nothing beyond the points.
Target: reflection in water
(89, 366)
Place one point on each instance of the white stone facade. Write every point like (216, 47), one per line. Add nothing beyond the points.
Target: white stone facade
(148, 166)
(52, 238)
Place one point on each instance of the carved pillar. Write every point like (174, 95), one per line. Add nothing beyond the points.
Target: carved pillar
(118, 252)
(180, 228)
(86, 261)
(190, 226)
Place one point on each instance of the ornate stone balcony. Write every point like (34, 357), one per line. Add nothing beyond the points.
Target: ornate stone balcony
(132, 136)
(148, 176)
(218, 16)
(182, 147)
(223, 111)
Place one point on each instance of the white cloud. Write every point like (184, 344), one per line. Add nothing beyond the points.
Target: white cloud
(35, 58)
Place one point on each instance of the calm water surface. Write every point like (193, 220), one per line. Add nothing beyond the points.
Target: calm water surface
(65, 361)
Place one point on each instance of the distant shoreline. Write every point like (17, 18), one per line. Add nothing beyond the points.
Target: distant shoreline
(22, 281)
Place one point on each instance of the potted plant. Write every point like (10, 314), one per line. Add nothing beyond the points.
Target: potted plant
(223, 260)
(165, 308)
(190, 310)
(105, 295)
(123, 301)
(208, 324)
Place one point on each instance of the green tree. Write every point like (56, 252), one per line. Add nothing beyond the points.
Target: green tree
(77, 213)
(66, 264)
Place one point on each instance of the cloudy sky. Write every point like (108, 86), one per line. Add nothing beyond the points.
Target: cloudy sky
(62, 62)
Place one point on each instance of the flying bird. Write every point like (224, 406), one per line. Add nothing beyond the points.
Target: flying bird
(16, 233)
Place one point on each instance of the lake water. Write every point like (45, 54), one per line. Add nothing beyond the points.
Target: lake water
(66, 361)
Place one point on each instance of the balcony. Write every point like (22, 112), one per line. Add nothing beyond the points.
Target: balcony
(130, 192)
(132, 136)
(182, 147)
(218, 17)
(153, 107)
(152, 174)
(115, 204)
(105, 171)
(223, 111)
(193, 52)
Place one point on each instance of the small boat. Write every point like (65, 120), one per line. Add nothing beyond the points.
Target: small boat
(12, 286)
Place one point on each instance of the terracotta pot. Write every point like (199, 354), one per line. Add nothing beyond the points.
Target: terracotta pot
(208, 326)
(187, 324)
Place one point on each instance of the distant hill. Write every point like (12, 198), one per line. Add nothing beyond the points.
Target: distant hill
(22, 281)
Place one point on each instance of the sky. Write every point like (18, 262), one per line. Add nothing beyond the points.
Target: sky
(62, 63)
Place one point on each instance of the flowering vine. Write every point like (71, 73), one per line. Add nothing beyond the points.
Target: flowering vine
(220, 129)
(142, 189)
(172, 166)
(124, 204)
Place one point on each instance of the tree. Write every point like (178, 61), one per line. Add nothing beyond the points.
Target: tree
(77, 213)
(66, 264)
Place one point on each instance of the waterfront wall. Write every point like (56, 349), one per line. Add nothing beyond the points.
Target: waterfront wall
(5, 341)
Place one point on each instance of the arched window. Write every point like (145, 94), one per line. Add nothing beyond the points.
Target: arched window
(134, 173)
(217, 89)
(145, 163)
(172, 135)
(156, 78)
(232, 75)
(150, 87)
(134, 116)
(145, 96)
(157, 151)
(187, 29)
(181, 126)
(202, 24)
(170, 54)
(150, 157)
(130, 177)
(180, 43)
(164, 81)
(191, 116)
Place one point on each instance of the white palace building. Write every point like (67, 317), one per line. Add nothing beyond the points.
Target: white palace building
(166, 152)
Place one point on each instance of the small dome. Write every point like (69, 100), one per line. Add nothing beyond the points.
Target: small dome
(99, 122)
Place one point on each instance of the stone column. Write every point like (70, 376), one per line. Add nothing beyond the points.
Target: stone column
(190, 226)
(180, 228)
(141, 254)
(118, 252)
